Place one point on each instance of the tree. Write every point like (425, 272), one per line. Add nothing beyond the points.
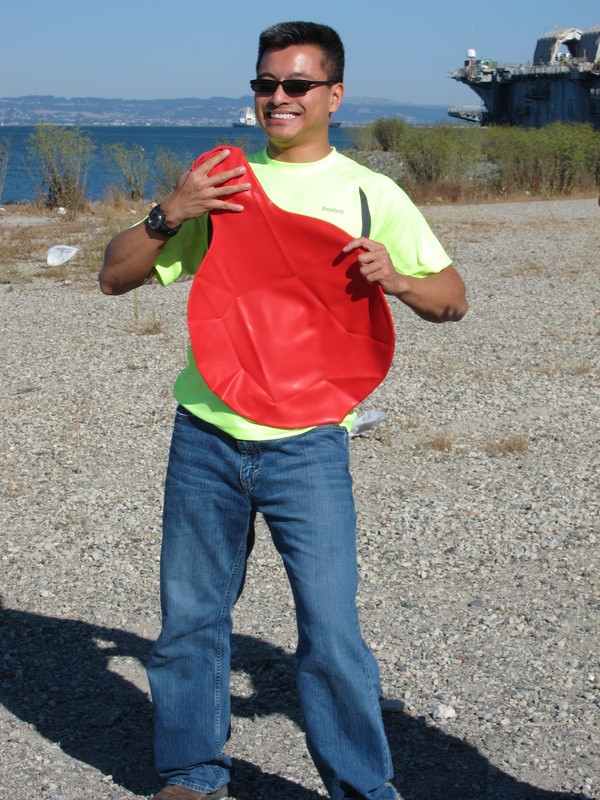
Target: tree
(4, 152)
(169, 167)
(64, 156)
(133, 164)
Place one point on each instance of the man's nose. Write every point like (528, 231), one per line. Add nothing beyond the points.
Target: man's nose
(279, 95)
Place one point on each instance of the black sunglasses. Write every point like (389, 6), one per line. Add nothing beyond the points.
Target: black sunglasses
(291, 86)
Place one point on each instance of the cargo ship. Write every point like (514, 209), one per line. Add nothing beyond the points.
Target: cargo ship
(562, 84)
(246, 119)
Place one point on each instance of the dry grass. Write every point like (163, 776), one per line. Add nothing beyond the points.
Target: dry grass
(145, 324)
(579, 368)
(575, 369)
(514, 443)
(27, 231)
(12, 275)
(148, 325)
(410, 422)
(441, 441)
(530, 269)
(116, 199)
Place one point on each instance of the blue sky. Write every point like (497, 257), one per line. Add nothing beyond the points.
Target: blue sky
(191, 48)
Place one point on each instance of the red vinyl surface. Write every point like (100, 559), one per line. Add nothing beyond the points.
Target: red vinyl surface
(283, 327)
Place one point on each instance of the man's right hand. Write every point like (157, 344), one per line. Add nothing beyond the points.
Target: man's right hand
(197, 192)
(130, 255)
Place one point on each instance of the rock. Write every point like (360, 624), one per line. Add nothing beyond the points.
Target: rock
(443, 712)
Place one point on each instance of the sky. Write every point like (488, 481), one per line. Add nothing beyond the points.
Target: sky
(149, 49)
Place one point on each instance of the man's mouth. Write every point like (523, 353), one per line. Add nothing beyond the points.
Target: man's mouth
(281, 115)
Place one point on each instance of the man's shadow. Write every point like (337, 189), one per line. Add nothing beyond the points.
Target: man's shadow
(55, 675)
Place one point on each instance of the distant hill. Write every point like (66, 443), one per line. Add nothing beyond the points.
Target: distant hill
(32, 109)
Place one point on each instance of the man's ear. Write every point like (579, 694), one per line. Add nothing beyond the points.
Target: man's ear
(337, 93)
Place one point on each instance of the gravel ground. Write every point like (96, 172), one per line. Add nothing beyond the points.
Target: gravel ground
(478, 524)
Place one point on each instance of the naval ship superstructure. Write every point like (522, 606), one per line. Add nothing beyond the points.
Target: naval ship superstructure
(562, 83)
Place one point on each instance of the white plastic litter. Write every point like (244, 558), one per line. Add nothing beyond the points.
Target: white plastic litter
(367, 421)
(60, 254)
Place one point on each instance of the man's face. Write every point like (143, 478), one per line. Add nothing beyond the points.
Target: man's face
(296, 125)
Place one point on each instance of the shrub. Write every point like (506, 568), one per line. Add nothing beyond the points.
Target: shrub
(64, 156)
(4, 152)
(168, 168)
(133, 165)
(460, 162)
(389, 133)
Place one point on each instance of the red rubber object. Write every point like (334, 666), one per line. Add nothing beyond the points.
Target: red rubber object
(283, 327)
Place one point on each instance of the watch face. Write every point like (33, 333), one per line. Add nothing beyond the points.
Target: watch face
(156, 222)
(156, 218)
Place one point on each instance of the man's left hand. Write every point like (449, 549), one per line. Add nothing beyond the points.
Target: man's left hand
(376, 265)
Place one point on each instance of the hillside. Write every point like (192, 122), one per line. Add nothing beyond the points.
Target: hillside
(32, 109)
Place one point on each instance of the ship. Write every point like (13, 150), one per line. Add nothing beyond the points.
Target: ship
(561, 85)
(247, 119)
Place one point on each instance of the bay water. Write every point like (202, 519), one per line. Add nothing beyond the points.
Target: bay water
(24, 179)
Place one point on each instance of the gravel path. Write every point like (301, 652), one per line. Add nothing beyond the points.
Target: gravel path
(478, 526)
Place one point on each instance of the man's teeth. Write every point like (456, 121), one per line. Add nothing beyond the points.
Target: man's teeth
(282, 116)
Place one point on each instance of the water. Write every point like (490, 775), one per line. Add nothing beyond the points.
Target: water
(24, 179)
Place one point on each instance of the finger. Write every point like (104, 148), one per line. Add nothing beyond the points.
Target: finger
(347, 248)
(366, 244)
(369, 271)
(223, 191)
(220, 205)
(200, 178)
(368, 257)
(212, 162)
(229, 175)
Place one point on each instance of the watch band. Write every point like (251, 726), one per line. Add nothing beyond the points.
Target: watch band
(157, 222)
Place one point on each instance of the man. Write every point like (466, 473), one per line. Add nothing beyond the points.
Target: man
(223, 468)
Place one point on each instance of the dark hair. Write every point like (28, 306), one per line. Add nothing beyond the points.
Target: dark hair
(285, 34)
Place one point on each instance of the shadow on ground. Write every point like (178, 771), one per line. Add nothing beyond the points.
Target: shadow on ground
(55, 676)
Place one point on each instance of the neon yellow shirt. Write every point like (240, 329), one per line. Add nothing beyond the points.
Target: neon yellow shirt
(327, 189)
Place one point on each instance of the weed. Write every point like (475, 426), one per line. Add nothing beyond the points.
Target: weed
(575, 369)
(116, 199)
(78, 410)
(579, 368)
(441, 441)
(528, 269)
(515, 443)
(61, 273)
(410, 422)
(145, 325)
(11, 275)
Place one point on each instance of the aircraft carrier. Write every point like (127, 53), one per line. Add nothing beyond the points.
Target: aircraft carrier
(561, 84)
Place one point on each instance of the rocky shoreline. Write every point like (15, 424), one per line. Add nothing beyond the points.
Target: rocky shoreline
(478, 532)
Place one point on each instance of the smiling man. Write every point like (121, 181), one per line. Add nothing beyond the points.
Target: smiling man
(226, 465)
(296, 120)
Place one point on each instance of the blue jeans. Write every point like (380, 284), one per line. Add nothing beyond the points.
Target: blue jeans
(303, 489)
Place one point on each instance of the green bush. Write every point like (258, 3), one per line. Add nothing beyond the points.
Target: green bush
(168, 167)
(556, 160)
(462, 161)
(389, 133)
(133, 165)
(4, 153)
(63, 155)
